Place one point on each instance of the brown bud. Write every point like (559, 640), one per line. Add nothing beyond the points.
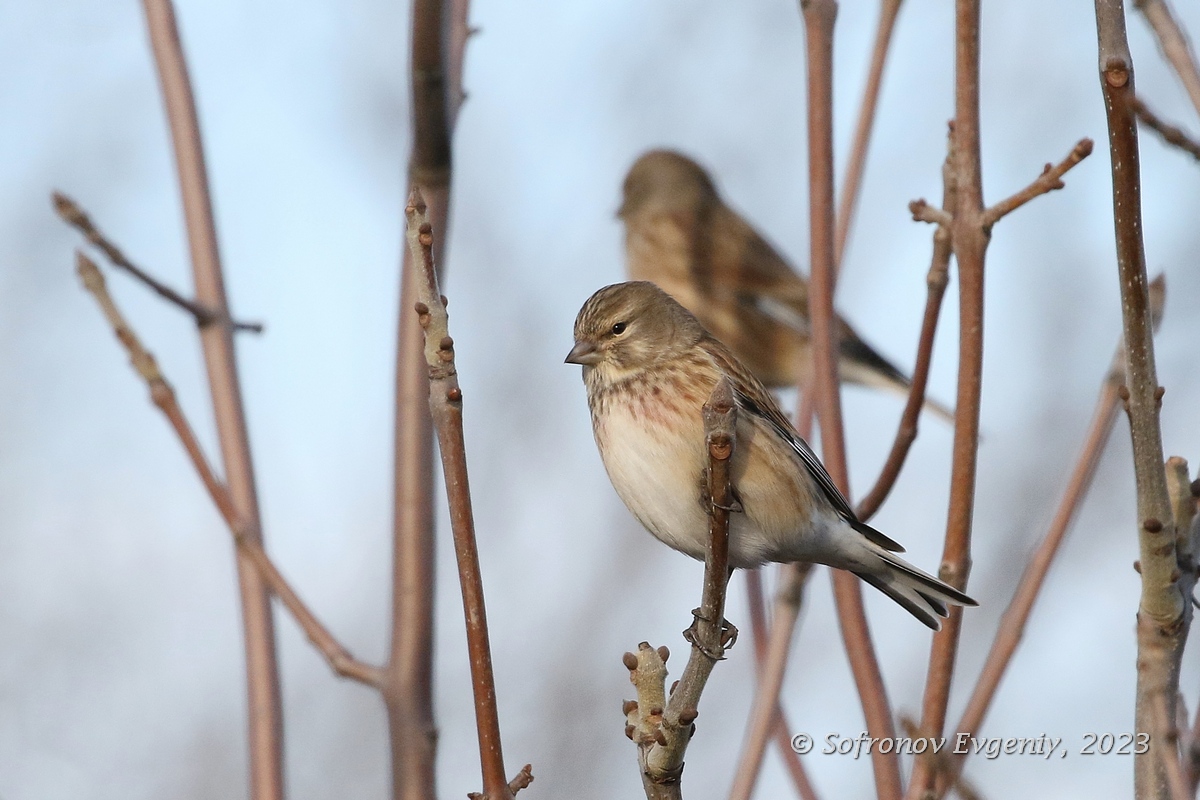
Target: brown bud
(656, 711)
(425, 228)
(454, 394)
(1152, 525)
(660, 737)
(421, 308)
(628, 707)
(629, 732)
(446, 343)
(688, 716)
(674, 686)
(1123, 393)
(664, 653)
(1116, 72)
(445, 302)
(1137, 567)
(1196, 488)
(630, 661)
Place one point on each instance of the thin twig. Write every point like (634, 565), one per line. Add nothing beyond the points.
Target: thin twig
(940, 762)
(969, 239)
(435, 75)
(1169, 133)
(264, 704)
(764, 711)
(163, 396)
(782, 730)
(819, 16)
(1163, 612)
(936, 281)
(1016, 616)
(662, 728)
(1050, 180)
(75, 216)
(445, 407)
(1174, 44)
(852, 183)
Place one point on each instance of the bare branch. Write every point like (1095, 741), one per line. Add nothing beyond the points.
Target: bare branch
(264, 704)
(1169, 133)
(1049, 181)
(852, 183)
(782, 729)
(75, 216)
(662, 728)
(819, 16)
(1174, 44)
(163, 395)
(936, 281)
(1163, 614)
(923, 212)
(435, 77)
(445, 406)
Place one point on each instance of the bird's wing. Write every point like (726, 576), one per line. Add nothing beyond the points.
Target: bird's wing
(754, 398)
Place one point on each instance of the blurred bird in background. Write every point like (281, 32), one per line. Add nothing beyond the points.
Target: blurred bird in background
(680, 235)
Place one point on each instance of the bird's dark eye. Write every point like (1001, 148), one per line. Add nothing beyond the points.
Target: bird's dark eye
(618, 329)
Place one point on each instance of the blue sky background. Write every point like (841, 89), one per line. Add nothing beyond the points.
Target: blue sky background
(120, 676)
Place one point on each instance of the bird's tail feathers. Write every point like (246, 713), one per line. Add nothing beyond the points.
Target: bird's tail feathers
(918, 593)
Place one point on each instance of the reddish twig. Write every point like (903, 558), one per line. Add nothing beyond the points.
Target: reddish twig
(262, 671)
(445, 407)
(75, 216)
(662, 727)
(1163, 612)
(819, 16)
(969, 238)
(936, 281)
(764, 714)
(1174, 44)
(1050, 180)
(1169, 133)
(782, 729)
(436, 85)
(852, 184)
(163, 396)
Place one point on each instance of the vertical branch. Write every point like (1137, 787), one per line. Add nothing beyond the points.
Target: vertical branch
(1174, 43)
(888, 11)
(445, 407)
(662, 727)
(436, 85)
(1162, 609)
(819, 17)
(969, 238)
(262, 672)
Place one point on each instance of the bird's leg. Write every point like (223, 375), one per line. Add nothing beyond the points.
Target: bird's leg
(706, 501)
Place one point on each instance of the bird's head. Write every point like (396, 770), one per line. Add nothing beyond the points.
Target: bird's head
(629, 327)
(664, 180)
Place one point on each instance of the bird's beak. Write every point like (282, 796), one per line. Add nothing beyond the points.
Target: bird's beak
(584, 353)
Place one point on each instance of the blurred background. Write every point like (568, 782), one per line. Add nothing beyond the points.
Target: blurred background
(121, 670)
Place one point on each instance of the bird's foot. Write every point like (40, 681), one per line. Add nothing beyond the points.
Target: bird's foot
(728, 636)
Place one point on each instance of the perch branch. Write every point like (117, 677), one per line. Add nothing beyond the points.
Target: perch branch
(163, 396)
(264, 705)
(819, 17)
(1163, 612)
(77, 218)
(1169, 133)
(445, 407)
(662, 727)
(1174, 45)
(1016, 616)
(852, 183)
(1050, 180)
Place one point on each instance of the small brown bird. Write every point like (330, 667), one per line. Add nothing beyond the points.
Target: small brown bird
(649, 366)
(681, 235)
